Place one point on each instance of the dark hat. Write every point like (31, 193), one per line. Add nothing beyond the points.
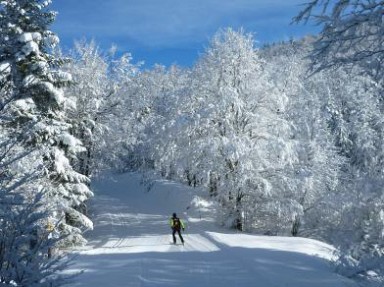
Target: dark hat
(174, 215)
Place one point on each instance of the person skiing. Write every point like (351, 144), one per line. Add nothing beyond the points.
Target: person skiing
(176, 224)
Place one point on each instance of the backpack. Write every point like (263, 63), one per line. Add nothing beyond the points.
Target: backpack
(176, 223)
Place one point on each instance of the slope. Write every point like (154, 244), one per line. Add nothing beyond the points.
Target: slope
(130, 245)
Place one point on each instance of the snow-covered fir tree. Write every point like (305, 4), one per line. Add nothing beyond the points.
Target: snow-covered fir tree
(34, 102)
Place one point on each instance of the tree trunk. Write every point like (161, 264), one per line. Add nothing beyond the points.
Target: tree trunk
(213, 180)
(296, 225)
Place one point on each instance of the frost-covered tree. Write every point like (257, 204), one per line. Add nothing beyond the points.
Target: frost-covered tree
(242, 143)
(352, 37)
(352, 32)
(314, 179)
(355, 118)
(148, 137)
(33, 102)
(101, 86)
(167, 111)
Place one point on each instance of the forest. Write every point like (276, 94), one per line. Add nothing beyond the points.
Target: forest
(287, 138)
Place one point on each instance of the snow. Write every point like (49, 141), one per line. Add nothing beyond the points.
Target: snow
(41, 66)
(25, 37)
(26, 104)
(56, 93)
(5, 68)
(30, 47)
(64, 76)
(28, 37)
(85, 221)
(36, 36)
(69, 140)
(29, 81)
(61, 161)
(51, 40)
(130, 244)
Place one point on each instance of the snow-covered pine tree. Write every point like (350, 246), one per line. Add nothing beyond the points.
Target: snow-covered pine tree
(34, 102)
(27, 256)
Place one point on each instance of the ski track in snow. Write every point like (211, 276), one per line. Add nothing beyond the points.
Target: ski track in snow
(130, 245)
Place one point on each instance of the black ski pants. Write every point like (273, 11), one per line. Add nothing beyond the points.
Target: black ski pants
(174, 230)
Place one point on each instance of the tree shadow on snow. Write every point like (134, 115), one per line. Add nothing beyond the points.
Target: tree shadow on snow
(227, 266)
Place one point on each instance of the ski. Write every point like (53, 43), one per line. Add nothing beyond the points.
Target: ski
(177, 244)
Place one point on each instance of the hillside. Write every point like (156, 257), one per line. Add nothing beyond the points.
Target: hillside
(131, 245)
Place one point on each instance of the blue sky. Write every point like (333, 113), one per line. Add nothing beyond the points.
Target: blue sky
(172, 31)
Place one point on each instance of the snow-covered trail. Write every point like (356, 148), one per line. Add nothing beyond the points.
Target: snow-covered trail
(130, 245)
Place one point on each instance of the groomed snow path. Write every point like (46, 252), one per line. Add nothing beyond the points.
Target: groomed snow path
(130, 245)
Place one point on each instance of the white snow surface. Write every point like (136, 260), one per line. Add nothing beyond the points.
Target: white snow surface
(131, 244)
(5, 69)
(25, 37)
(30, 47)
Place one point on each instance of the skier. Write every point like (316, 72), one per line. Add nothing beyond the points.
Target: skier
(176, 225)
